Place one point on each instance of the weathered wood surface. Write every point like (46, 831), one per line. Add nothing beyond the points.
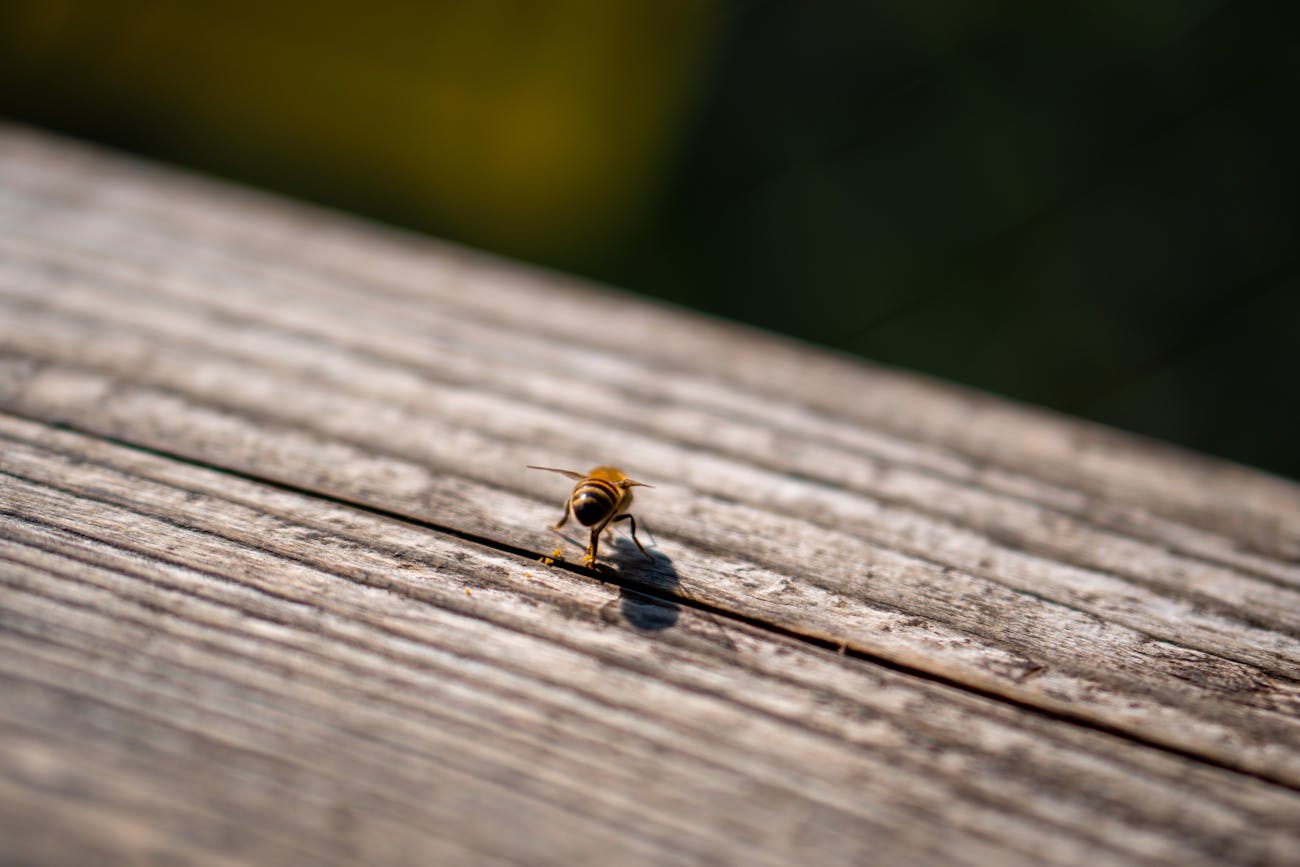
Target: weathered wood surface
(270, 592)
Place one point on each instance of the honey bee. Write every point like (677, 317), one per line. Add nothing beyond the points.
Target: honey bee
(600, 498)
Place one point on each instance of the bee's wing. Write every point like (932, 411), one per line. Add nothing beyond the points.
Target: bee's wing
(570, 473)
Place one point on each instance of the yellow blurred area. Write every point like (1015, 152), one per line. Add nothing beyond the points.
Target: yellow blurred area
(537, 128)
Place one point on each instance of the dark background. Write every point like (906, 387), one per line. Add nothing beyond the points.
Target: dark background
(1091, 206)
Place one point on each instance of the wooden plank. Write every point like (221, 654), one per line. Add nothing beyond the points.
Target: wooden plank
(202, 652)
(170, 320)
(1061, 643)
(1114, 479)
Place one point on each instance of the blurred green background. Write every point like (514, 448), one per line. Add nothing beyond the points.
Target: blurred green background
(1090, 206)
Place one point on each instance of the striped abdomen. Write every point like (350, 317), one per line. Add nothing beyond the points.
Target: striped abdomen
(595, 501)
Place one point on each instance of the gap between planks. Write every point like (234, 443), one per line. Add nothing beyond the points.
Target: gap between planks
(677, 596)
(983, 759)
(264, 413)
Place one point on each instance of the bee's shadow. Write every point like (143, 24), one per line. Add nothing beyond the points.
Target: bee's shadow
(641, 611)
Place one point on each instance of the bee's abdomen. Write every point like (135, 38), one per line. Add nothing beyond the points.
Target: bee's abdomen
(594, 501)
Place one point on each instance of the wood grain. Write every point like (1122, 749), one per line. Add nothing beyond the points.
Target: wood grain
(301, 573)
(300, 650)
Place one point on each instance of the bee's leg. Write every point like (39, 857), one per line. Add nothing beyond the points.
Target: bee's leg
(565, 517)
(589, 558)
(627, 516)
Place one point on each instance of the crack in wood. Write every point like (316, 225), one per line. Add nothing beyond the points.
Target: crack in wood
(663, 596)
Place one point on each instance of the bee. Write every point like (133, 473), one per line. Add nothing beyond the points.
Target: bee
(600, 498)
